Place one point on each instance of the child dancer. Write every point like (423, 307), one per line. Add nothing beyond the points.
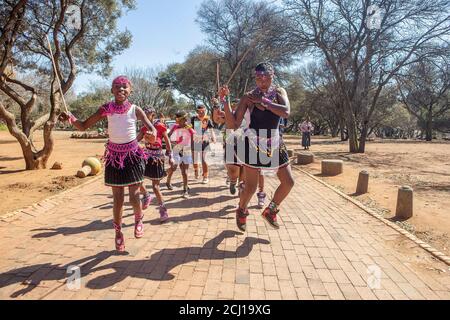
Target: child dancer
(203, 127)
(183, 137)
(124, 159)
(154, 169)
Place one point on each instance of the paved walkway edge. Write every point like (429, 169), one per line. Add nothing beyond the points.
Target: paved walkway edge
(48, 203)
(436, 253)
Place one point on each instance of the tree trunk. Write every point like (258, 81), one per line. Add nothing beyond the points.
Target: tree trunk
(342, 128)
(352, 130)
(363, 138)
(429, 126)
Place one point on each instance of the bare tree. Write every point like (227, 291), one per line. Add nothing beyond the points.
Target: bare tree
(366, 43)
(196, 77)
(86, 44)
(245, 31)
(150, 88)
(424, 90)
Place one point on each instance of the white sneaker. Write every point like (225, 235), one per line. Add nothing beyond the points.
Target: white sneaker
(205, 180)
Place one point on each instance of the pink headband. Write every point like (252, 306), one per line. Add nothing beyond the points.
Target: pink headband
(121, 80)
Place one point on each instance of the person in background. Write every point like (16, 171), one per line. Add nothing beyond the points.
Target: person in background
(307, 130)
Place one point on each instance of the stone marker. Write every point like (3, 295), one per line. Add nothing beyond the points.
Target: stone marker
(332, 167)
(57, 166)
(363, 183)
(305, 158)
(404, 203)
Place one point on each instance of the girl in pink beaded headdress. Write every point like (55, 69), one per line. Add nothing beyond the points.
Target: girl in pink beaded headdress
(124, 159)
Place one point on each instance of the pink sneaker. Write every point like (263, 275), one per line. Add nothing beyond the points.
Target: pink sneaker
(119, 241)
(139, 227)
(164, 216)
(146, 201)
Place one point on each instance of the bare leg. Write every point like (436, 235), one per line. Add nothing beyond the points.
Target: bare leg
(119, 199)
(251, 184)
(233, 176)
(142, 189)
(261, 182)
(134, 200)
(286, 184)
(157, 191)
(138, 214)
(195, 159)
(233, 173)
(204, 166)
(170, 174)
(184, 169)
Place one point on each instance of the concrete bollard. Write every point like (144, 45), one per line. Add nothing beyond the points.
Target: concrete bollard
(404, 203)
(305, 158)
(332, 167)
(363, 183)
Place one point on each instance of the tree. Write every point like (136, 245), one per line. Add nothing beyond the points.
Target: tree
(150, 88)
(324, 99)
(424, 90)
(365, 46)
(87, 47)
(196, 77)
(245, 31)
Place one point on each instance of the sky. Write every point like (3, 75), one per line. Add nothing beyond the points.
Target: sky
(164, 32)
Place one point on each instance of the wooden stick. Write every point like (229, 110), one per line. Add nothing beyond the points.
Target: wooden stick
(239, 64)
(56, 74)
(246, 83)
(218, 75)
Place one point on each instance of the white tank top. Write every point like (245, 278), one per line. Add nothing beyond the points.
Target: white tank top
(122, 127)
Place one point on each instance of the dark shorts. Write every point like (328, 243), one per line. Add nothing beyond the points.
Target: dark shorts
(131, 174)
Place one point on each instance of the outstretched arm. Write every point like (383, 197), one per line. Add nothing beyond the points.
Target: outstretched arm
(82, 125)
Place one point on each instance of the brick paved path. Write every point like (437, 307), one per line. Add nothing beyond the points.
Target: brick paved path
(327, 248)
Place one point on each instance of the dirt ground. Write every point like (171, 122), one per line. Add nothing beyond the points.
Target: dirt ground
(424, 166)
(20, 188)
(391, 164)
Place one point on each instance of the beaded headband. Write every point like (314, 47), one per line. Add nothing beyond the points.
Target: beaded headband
(121, 80)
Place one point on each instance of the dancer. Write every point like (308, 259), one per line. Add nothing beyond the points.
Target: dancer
(204, 128)
(263, 148)
(154, 169)
(234, 168)
(183, 137)
(124, 159)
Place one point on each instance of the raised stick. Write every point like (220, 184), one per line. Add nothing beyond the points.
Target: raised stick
(246, 84)
(218, 75)
(239, 64)
(56, 73)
